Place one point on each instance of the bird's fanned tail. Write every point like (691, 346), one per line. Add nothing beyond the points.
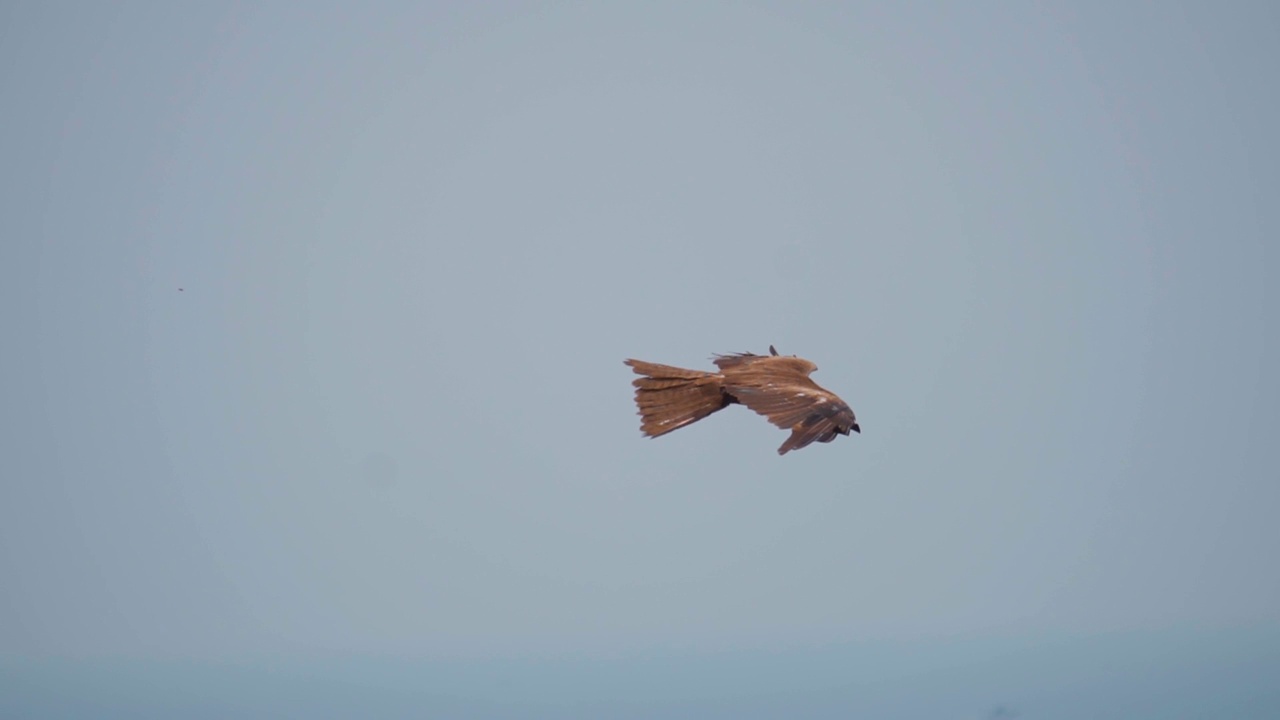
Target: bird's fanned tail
(671, 397)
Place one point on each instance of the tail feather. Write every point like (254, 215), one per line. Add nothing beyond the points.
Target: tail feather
(649, 383)
(671, 397)
(664, 372)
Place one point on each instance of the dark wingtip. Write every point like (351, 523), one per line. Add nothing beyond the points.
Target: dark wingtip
(772, 351)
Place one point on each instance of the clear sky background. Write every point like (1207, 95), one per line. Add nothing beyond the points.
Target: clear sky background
(313, 320)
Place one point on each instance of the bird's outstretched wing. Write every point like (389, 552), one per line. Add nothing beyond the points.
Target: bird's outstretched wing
(781, 391)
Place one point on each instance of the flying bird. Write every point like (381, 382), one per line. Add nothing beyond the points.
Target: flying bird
(777, 387)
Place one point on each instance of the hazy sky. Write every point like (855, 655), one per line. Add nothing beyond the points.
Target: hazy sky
(314, 318)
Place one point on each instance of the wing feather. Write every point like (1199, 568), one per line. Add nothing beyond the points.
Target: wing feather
(736, 360)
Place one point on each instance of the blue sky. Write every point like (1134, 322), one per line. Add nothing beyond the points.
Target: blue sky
(315, 319)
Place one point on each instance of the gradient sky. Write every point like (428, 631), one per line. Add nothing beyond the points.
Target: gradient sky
(314, 319)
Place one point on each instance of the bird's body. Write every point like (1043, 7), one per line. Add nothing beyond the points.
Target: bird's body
(774, 386)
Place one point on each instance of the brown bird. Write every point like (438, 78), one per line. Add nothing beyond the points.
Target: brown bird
(774, 386)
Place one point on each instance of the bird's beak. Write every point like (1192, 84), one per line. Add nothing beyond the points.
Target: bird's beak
(856, 429)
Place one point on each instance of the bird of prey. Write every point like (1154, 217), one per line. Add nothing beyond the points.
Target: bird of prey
(777, 387)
